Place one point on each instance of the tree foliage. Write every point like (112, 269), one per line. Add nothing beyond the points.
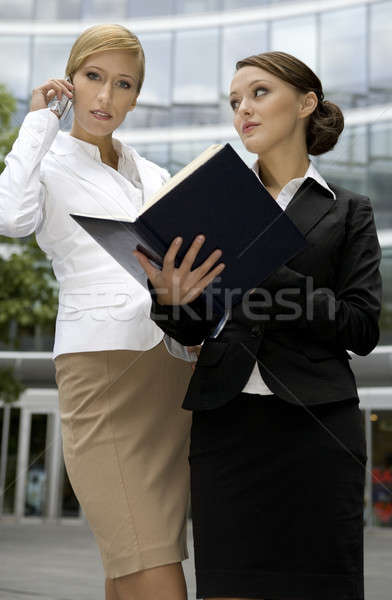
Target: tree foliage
(28, 290)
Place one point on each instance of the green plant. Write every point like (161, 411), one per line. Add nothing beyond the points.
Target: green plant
(10, 386)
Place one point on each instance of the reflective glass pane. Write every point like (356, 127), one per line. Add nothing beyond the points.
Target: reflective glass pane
(16, 9)
(230, 4)
(150, 8)
(157, 84)
(346, 164)
(10, 483)
(380, 172)
(14, 72)
(193, 115)
(351, 149)
(183, 152)
(197, 6)
(382, 467)
(36, 478)
(57, 9)
(296, 36)
(381, 49)
(343, 53)
(386, 313)
(239, 42)
(105, 9)
(147, 116)
(157, 153)
(50, 57)
(196, 67)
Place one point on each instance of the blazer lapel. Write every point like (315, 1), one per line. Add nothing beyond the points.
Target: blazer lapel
(309, 205)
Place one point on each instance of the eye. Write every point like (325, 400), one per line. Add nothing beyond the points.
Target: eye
(234, 104)
(92, 75)
(124, 84)
(260, 91)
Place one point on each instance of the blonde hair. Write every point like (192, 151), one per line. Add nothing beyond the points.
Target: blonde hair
(99, 38)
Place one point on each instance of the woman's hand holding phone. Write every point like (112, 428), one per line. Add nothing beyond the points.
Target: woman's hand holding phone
(178, 286)
(49, 91)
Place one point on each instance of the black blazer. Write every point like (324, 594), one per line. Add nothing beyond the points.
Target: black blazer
(302, 319)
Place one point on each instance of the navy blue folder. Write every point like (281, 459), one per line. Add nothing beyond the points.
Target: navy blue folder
(222, 199)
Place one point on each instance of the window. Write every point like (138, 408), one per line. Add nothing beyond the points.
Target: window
(239, 42)
(197, 6)
(105, 9)
(50, 57)
(386, 312)
(150, 8)
(298, 37)
(382, 467)
(16, 9)
(156, 89)
(343, 54)
(14, 72)
(381, 50)
(230, 4)
(380, 172)
(346, 164)
(196, 67)
(57, 9)
(157, 153)
(183, 152)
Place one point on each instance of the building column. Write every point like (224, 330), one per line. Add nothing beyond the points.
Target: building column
(4, 453)
(22, 462)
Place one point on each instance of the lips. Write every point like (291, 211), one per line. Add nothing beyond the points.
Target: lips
(101, 115)
(249, 126)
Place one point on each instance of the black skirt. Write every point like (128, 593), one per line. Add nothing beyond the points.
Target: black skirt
(277, 500)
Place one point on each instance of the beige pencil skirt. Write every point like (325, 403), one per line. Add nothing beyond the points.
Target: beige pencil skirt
(126, 442)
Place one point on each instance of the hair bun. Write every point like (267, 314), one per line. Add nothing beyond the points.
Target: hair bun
(324, 128)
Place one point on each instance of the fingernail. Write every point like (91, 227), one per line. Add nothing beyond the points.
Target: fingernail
(200, 238)
(178, 240)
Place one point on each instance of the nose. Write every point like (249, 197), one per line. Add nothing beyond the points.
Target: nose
(105, 94)
(245, 108)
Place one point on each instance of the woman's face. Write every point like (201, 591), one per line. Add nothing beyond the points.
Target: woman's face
(267, 111)
(105, 89)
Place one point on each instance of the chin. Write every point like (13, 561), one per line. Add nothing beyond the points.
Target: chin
(253, 146)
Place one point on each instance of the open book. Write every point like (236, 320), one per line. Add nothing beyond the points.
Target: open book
(216, 195)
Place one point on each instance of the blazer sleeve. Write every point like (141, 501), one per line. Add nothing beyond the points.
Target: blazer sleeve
(21, 190)
(348, 315)
(189, 324)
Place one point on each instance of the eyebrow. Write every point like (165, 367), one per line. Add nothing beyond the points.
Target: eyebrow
(252, 83)
(119, 74)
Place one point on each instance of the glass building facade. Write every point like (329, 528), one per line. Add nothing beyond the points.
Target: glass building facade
(191, 48)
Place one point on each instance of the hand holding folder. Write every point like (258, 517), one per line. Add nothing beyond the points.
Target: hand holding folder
(178, 286)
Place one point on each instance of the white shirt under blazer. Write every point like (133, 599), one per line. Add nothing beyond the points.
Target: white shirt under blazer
(50, 174)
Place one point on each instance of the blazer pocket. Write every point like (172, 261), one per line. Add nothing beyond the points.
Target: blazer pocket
(212, 353)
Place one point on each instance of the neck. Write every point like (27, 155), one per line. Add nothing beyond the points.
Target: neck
(104, 143)
(277, 168)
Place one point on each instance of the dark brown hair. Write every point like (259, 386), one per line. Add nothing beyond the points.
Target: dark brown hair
(326, 123)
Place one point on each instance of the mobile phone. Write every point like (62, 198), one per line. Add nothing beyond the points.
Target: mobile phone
(62, 106)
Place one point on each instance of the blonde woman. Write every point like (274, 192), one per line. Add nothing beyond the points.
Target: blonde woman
(125, 436)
